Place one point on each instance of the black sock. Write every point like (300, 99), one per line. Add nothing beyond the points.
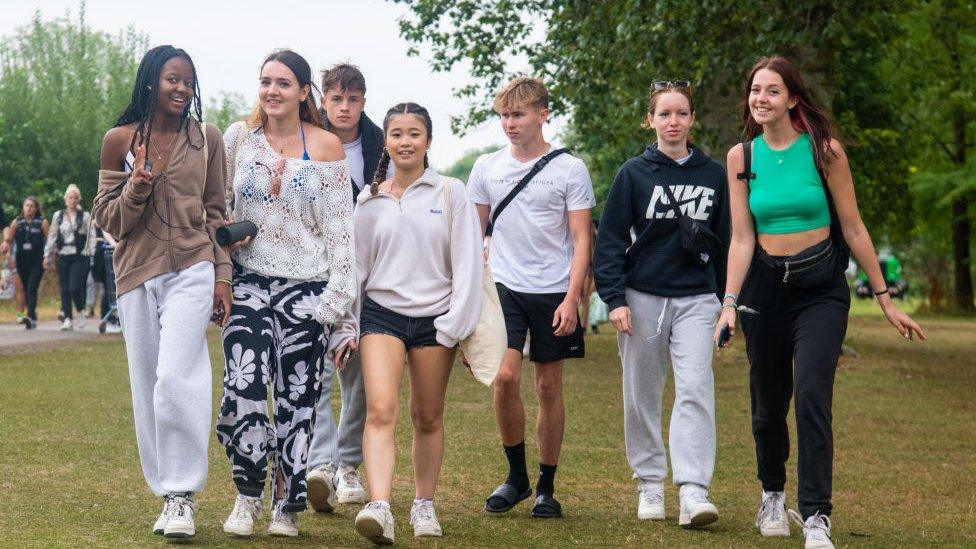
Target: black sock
(547, 475)
(518, 476)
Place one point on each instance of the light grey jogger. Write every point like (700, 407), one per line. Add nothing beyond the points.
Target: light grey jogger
(342, 445)
(164, 322)
(679, 327)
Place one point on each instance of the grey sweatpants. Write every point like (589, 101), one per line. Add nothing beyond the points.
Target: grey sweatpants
(679, 327)
(164, 322)
(339, 445)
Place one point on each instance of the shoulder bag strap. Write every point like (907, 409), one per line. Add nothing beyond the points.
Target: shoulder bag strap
(746, 174)
(541, 163)
(672, 201)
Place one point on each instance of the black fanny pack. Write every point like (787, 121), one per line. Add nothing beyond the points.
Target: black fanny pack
(697, 240)
(809, 268)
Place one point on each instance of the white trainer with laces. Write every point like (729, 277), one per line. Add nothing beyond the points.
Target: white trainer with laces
(66, 325)
(349, 486)
(375, 523)
(82, 320)
(816, 530)
(282, 523)
(424, 519)
(322, 488)
(160, 525)
(180, 523)
(650, 501)
(696, 510)
(241, 520)
(771, 517)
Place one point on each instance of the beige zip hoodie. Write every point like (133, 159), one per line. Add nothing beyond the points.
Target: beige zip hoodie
(407, 262)
(169, 224)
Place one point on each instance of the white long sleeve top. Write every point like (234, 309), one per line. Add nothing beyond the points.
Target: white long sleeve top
(407, 262)
(306, 231)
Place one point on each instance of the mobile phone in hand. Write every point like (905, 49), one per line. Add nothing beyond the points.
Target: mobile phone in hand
(724, 336)
(345, 356)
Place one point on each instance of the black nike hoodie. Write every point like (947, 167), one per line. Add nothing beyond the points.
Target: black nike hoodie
(637, 202)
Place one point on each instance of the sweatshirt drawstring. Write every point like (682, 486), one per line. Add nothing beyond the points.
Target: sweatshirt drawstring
(660, 318)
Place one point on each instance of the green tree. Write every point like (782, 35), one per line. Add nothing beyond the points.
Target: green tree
(599, 58)
(461, 169)
(62, 85)
(225, 109)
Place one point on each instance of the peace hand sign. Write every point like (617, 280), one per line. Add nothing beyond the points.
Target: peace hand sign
(142, 173)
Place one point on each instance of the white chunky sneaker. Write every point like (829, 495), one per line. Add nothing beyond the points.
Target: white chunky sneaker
(424, 519)
(771, 517)
(375, 523)
(241, 519)
(66, 325)
(82, 320)
(180, 523)
(160, 525)
(283, 523)
(696, 510)
(650, 501)
(816, 530)
(349, 487)
(322, 489)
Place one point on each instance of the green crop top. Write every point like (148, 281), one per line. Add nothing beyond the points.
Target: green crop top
(786, 196)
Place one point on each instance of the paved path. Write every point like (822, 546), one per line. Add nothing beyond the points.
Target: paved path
(15, 338)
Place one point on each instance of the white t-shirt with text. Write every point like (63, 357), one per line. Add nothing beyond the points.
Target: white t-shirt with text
(531, 247)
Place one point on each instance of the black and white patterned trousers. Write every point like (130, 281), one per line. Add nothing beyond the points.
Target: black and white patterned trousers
(271, 340)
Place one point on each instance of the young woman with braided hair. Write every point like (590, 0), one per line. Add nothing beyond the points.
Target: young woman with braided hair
(418, 260)
(160, 195)
(795, 221)
(291, 282)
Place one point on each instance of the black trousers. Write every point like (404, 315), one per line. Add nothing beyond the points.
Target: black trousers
(793, 344)
(73, 276)
(30, 269)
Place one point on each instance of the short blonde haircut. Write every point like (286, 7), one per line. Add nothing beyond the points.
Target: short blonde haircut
(72, 188)
(520, 92)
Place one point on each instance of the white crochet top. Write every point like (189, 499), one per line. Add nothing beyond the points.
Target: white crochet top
(304, 233)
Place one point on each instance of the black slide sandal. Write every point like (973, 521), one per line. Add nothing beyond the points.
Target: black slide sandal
(508, 496)
(547, 507)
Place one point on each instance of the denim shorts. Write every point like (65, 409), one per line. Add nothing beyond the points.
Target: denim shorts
(413, 332)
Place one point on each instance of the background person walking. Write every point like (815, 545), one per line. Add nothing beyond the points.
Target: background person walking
(70, 243)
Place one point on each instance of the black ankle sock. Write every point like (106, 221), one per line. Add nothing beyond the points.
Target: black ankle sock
(518, 476)
(547, 475)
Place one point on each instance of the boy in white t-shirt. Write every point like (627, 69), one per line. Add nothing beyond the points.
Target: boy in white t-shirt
(539, 254)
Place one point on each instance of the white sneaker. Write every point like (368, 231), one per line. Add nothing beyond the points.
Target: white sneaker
(160, 525)
(816, 530)
(283, 523)
(82, 320)
(424, 519)
(650, 501)
(180, 523)
(241, 519)
(771, 518)
(66, 325)
(113, 328)
(375, 523)
(321, 488)
(696, 510)
(349, 487)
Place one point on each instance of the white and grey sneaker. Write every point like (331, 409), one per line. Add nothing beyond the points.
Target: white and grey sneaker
(180, 523)
(375, 523)
(424, 519)
(322, 489)
(282, 523)
(696, 510)
(816, 530)
(66, 325)
(160, 525)
(82, 320)
(771, 517)
(349, 486)
(650, 501)
(241, 519)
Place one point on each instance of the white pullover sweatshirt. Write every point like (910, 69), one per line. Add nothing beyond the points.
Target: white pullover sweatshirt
(407, 262)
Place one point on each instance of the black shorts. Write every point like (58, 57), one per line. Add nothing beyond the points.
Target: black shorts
(413, 332)
(532, 313)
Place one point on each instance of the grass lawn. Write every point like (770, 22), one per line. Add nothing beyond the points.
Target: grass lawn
(905, 430)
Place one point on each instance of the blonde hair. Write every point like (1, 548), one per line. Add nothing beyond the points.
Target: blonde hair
(520, 92)
(72, 187)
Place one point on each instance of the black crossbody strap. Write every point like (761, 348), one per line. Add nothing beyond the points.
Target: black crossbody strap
(746, 174)
(672, 201)
(541, 163)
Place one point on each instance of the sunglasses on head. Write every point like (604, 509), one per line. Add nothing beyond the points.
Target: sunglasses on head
(670, 84)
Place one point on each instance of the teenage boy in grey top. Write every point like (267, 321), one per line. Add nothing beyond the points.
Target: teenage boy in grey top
(337, 450)
(539, 255)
